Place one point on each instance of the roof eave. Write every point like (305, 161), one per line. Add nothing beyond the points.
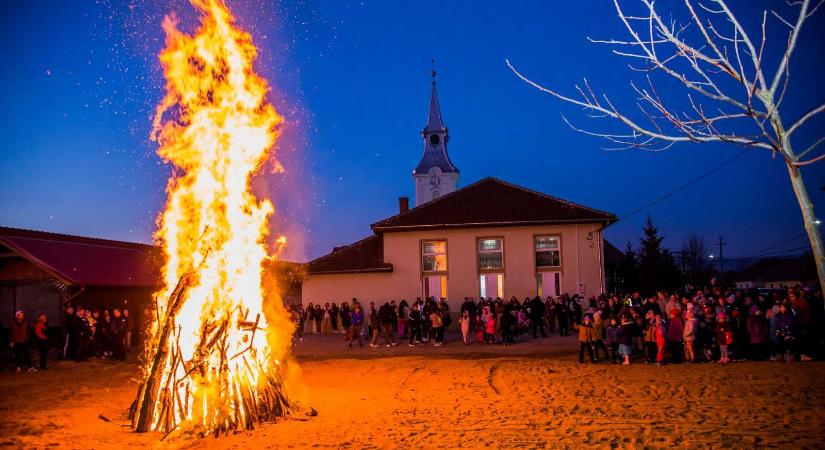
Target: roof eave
(378, 228)
(367, 270)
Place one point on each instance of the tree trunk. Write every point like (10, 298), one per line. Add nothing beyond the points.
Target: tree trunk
(809, 219)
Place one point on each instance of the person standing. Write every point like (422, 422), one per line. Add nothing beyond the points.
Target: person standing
(689, 335)
(598, 336)
(356, 322)
(375, 325)
(334, 313)
(537, 312)
(465, 325)
(319, 318)
(385, 316)
(675, 336)
(130, 328)
(414, 324)
(41, 337)
(402, 318)
(68, 333)
(118, 335)
(586, 339)
(437, 321)
(83, 333)
(20, 342)
(563, 314)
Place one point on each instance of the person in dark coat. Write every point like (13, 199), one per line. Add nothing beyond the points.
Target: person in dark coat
(118, 335)
(82, 333)
(537, 317)
(334, 313)
(20, 337)
(414, 323)
(624, 336)
(563, 315)
(69, 327)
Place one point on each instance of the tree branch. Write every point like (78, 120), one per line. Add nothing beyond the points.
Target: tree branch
(805, 118)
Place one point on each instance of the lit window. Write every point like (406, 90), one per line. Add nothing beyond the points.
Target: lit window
(491, 285)
(435, 286)
(548, 284)
(548, 252)
(434, 256)
(490, 254)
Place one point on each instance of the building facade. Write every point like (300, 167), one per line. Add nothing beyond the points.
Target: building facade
(488, 239)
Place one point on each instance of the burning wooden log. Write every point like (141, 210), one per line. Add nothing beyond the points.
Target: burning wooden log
(165, 398)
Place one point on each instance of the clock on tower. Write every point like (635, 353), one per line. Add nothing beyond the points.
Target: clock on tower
(435, 175)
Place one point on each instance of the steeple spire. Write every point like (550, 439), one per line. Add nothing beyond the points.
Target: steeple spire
(434, 122)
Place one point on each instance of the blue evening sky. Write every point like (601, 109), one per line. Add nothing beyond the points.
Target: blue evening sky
(80, 81)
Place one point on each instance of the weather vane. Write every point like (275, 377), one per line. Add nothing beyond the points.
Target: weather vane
(432, 67)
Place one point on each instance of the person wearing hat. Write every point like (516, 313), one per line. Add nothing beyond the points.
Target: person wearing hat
(20, 342)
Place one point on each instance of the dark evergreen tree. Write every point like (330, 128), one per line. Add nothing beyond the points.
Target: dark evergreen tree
(657, 268)
(628, 270)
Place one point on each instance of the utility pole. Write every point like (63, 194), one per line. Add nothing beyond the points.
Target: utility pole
(721, 262)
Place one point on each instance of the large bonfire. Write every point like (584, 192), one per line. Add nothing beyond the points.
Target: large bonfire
(213, 361)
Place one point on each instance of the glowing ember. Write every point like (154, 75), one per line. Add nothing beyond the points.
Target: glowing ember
(213, 360)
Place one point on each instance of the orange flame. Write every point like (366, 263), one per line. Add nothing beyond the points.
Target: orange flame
(215, 126)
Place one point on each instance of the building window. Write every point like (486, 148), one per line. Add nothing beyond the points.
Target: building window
(435, 286)
(434, 267)
(434, 256)
(490, 254)
(548, 284)
(548, 252)
(491, 285)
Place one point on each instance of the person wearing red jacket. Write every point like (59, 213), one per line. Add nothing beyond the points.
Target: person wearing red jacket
(42, 339)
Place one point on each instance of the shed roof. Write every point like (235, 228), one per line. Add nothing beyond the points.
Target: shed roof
(85, 261)
(366, 255)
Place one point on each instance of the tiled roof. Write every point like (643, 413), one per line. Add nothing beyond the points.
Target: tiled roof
(84, 261)
(492, 202)
(366, 255)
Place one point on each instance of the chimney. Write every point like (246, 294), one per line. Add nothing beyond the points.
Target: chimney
(403, 204)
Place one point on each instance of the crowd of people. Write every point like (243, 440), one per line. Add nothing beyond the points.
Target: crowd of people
(86, 333)
(702, 325)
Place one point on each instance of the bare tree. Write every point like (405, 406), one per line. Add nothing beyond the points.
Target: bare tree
(731, 96)
(695, 259)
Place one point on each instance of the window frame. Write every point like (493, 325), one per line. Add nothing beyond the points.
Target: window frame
(501, 269)
(425, 273)
(558, 268)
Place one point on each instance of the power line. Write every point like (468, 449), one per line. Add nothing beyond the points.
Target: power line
(686, 185)
(775, 253)
(757, 252)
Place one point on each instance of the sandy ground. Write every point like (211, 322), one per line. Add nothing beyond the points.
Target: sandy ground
(531, 395)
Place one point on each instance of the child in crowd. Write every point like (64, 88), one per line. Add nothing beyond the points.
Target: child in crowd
(490, 329)
(724, 337)
(625, 339)
(613, 339)
(586, 339)
(598, 335)
(689, 335)
(478, 328)
(465, 325)
(659, 338)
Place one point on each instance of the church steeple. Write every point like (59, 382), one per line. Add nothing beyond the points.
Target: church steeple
(435, 175)
(434, 122)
